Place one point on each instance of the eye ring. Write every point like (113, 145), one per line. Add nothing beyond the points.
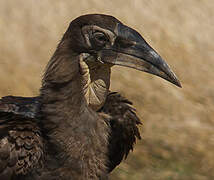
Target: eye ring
(100, 37)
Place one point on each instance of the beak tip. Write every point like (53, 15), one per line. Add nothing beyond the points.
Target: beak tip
(177, 83)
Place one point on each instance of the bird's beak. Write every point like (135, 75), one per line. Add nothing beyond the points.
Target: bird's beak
(131, 50)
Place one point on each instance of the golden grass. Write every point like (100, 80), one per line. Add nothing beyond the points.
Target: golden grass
(178, 124)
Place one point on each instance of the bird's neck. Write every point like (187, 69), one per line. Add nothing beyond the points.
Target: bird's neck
(71, 121)
(70, 82)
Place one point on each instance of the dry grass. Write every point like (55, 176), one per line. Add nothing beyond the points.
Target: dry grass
(178, 138)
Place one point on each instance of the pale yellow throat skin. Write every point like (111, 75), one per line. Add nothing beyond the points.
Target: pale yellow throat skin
(95, 81)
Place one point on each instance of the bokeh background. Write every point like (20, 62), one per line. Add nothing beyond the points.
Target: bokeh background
(178, 124)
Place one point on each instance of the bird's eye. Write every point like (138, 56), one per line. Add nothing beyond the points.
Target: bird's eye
(100, 37)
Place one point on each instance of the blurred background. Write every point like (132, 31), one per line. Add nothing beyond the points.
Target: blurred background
(178, 124)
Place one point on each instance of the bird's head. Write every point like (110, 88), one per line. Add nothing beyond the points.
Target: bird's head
(110, 42)
(94, 43)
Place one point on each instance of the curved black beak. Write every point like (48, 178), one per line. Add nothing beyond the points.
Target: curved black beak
(131, 50)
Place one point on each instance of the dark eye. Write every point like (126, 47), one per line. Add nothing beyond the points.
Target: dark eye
(100, 37)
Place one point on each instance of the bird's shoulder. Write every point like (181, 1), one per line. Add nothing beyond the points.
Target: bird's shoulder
(124, 124)
(24, 106)
(21, 142)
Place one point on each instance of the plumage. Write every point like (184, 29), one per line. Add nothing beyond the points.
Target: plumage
(21, 113)
(124, 127)
(76, 128)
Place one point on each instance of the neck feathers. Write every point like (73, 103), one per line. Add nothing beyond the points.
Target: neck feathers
(71, 120)
(69, 76)
(62, 67)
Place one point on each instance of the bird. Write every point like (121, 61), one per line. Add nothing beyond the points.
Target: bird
(76, 128)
